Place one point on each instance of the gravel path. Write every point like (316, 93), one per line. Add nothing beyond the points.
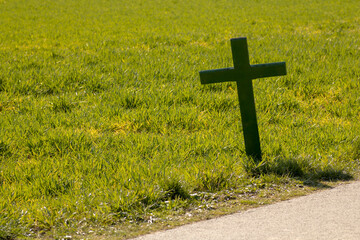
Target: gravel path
(329, 214)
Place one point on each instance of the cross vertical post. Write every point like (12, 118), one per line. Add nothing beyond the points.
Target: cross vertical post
(243, 73)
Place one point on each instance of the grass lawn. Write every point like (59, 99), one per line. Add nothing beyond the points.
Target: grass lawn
(104, 122)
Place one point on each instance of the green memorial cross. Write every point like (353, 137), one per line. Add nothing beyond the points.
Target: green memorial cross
(242, 73)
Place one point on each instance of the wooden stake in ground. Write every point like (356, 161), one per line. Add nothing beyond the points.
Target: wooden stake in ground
(242, 73)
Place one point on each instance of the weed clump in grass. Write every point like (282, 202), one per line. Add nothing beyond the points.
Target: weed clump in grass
(61, 105)
(174, 189)
(130, 102)
(213, 181)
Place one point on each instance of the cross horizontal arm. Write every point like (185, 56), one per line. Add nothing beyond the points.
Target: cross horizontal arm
(268, 70)
(218, 75)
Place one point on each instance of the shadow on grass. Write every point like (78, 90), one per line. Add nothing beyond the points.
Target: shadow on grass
(300, 169)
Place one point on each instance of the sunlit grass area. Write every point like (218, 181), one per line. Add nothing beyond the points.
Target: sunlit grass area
(103, 120)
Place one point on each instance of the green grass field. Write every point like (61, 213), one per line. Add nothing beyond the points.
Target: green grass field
(103, 120)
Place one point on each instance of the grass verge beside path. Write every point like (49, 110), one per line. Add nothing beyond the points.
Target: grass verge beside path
(209, 206)
(104, 122)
